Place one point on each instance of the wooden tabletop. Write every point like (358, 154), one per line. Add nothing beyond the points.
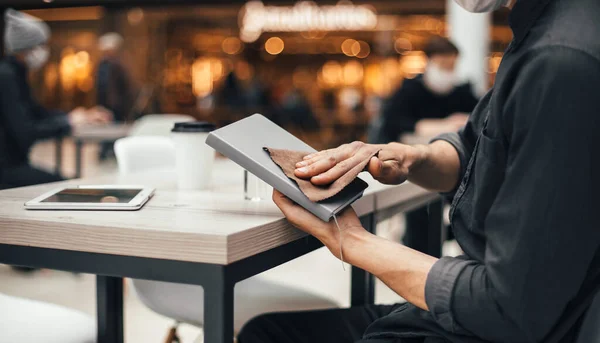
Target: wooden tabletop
(215, 226)
(101, 133)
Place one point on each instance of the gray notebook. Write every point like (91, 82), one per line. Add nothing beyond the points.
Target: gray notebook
(243, 142)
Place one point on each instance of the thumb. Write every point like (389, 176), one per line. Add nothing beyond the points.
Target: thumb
(375, 167)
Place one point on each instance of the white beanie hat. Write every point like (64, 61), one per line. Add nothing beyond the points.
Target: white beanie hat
(23, 31)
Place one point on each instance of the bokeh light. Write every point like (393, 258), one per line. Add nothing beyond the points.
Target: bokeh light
(413, 63)
(274, 45)
(402, 46)
(364, 50)
(347, 47)
(232, 46)
(202, 78)
(494, 63)
(353, 73)
(135, 16)
(332, 73)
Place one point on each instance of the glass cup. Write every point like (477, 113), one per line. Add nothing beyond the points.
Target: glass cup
(256, 189)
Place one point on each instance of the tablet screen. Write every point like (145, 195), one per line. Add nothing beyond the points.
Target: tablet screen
(94, 196)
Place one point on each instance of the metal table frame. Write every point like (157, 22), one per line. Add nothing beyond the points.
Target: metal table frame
(79, 141)
(218, 281)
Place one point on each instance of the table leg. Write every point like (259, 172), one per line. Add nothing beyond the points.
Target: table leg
(78, 159)
(109, 297)
(58, 155)
(362, 290)
(218, 310)
(435, 231)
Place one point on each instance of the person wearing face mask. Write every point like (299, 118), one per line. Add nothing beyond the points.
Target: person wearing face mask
(431, 103)
(428, 105)
(23, 121)
(523, 176)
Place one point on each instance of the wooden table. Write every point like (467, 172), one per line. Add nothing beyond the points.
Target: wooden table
(211, 238)
(414, 139)
(90, 134)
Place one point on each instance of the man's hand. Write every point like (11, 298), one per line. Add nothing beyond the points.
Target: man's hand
(77, 117)
(327, 233)
(97, 115)
(402, 269)
(392, 165)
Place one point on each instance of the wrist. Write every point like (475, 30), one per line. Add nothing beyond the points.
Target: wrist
(354, 242)
(417, 158)
(351, 239)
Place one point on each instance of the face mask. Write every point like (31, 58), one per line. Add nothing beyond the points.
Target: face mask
(438, 80)
(37, 57)
(481, 6)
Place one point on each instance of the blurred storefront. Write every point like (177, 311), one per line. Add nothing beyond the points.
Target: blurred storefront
(334, 63)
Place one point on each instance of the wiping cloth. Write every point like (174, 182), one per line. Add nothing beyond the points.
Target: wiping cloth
(287, 159)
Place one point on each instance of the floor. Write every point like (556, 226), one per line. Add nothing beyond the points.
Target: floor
(318, 271)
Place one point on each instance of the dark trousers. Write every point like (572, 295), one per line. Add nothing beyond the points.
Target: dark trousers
(323, 326)
(25, 175)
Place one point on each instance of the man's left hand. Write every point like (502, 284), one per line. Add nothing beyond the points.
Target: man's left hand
(326, 232)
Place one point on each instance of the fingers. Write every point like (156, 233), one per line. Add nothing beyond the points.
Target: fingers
(374, 167)
(325, 160)
(317, 168)
(281, 200)
(338, 170)
(312, 158)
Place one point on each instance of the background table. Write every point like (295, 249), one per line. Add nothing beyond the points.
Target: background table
(90, 134)
(213, 238)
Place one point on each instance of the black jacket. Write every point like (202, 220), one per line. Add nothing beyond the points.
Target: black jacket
(526, 210)
(413, 101)
(22, 120)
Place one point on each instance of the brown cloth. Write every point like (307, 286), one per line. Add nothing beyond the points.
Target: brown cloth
(287, 159)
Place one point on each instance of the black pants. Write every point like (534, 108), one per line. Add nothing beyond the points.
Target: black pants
(323, 326)
(25, 175)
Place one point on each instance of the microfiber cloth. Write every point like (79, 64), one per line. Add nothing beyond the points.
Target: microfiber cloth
(287, 159)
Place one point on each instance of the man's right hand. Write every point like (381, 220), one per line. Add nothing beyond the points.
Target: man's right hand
(392, 164)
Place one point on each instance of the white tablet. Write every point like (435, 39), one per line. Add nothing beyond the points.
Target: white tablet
(93, 197)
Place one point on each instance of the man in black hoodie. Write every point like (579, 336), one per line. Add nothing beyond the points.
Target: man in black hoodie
(523, 176)
(23, 121)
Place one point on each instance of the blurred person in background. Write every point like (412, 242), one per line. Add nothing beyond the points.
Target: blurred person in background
(428, 105)
(114, 89)
(113, 84)
(232, 95)
(23, 121)
(431, 103)
(296, 111)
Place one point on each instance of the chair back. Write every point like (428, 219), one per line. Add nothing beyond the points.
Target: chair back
(141, 153)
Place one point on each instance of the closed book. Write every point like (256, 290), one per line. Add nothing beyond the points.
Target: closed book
(244, 141)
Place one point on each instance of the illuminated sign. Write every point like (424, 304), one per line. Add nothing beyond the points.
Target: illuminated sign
(256, 18)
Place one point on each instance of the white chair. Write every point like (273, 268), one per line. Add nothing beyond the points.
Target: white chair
(157, 124)
(141, 153)
(30, 321)
(185, 303)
